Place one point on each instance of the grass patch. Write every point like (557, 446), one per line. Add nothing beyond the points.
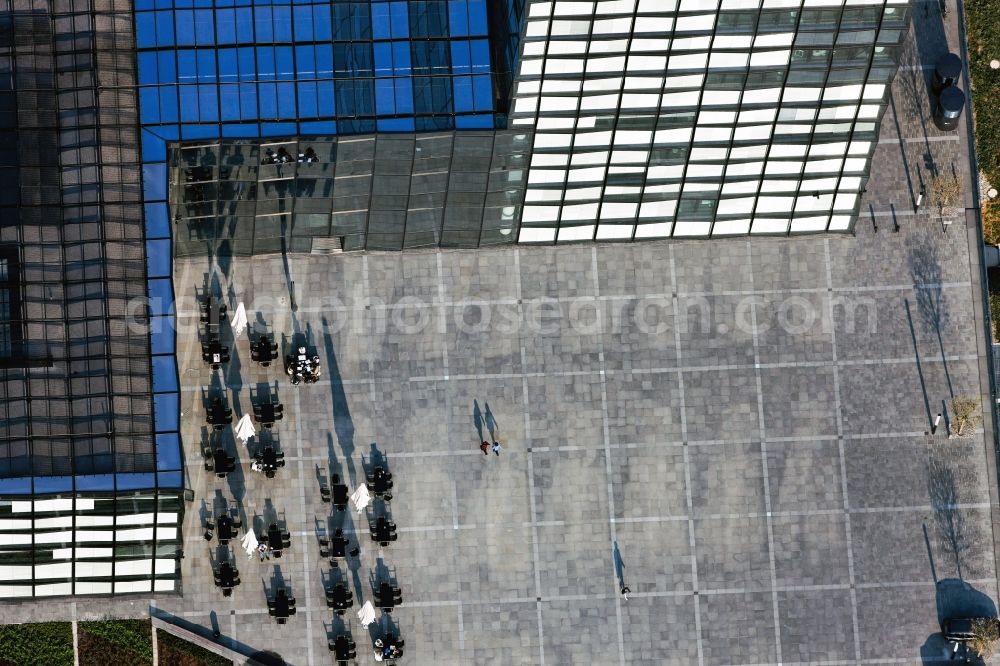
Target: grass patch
(116, 642)
(174, 651)
(983, 28)
(991, 223)
(995, 315)
(41, 644)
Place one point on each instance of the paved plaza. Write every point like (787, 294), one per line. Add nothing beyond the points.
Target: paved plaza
(744, 420)
(747, 424)
(741, 430)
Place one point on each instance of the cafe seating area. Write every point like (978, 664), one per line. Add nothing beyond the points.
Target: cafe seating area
(264, 350)
(339, 598)
(218, 415)
(276, 539)
(267, 413)
(344, 649)
(227, 577)
(219, 461)
(282, 606)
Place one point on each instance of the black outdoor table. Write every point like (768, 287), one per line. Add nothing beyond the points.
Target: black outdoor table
(225, 526)
(266, 351)
(222, 461)
(281, 607)
(213, 352)
(213, 311)
(381, 481)
(339, 597)
(267, 412)
(269, 458)
(340, 494)
(274, 538)
(338, 546)
(227, 575)
(382, 531)
(218, 415)
(342, 648)
(384, 596)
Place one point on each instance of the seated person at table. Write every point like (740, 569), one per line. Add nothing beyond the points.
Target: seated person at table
(301, 367)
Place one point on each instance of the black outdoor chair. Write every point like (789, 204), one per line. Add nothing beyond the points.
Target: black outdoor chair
(207, 355)
(268, 412)
(264, 351)
(340, 599)
(344, 648)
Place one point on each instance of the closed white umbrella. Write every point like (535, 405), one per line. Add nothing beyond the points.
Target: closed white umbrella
(249, 543)
(366, 614)
(239, 322)
(245, 429)
(361, 498)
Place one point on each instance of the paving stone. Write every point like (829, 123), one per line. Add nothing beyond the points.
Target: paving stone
(801, 477)
(816, 625)
(738, 628)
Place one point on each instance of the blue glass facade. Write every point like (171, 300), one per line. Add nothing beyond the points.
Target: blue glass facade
(235, 69)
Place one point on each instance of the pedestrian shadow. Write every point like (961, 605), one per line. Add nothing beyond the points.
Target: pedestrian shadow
(477, 420)
(491, 422)
(619, 567)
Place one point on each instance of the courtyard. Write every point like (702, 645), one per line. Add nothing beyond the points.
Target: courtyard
(747, 423)
(741, 431)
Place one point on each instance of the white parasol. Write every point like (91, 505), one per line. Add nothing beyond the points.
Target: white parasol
(361, 498)
(239, 322)
(245, 429)
(249, 543)
(366, 614)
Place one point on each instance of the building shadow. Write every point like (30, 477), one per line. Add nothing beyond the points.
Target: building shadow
(236, 480)
(343, 424)
(204, 632)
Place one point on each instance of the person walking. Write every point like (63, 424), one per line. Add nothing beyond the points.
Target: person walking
(496, 448)
(485, 448)
(625, 592)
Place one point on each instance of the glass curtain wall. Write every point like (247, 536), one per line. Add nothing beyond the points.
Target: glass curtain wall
(78, 416)
(233, 68)
(86, 544)
(384, 192)
(658, 118)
